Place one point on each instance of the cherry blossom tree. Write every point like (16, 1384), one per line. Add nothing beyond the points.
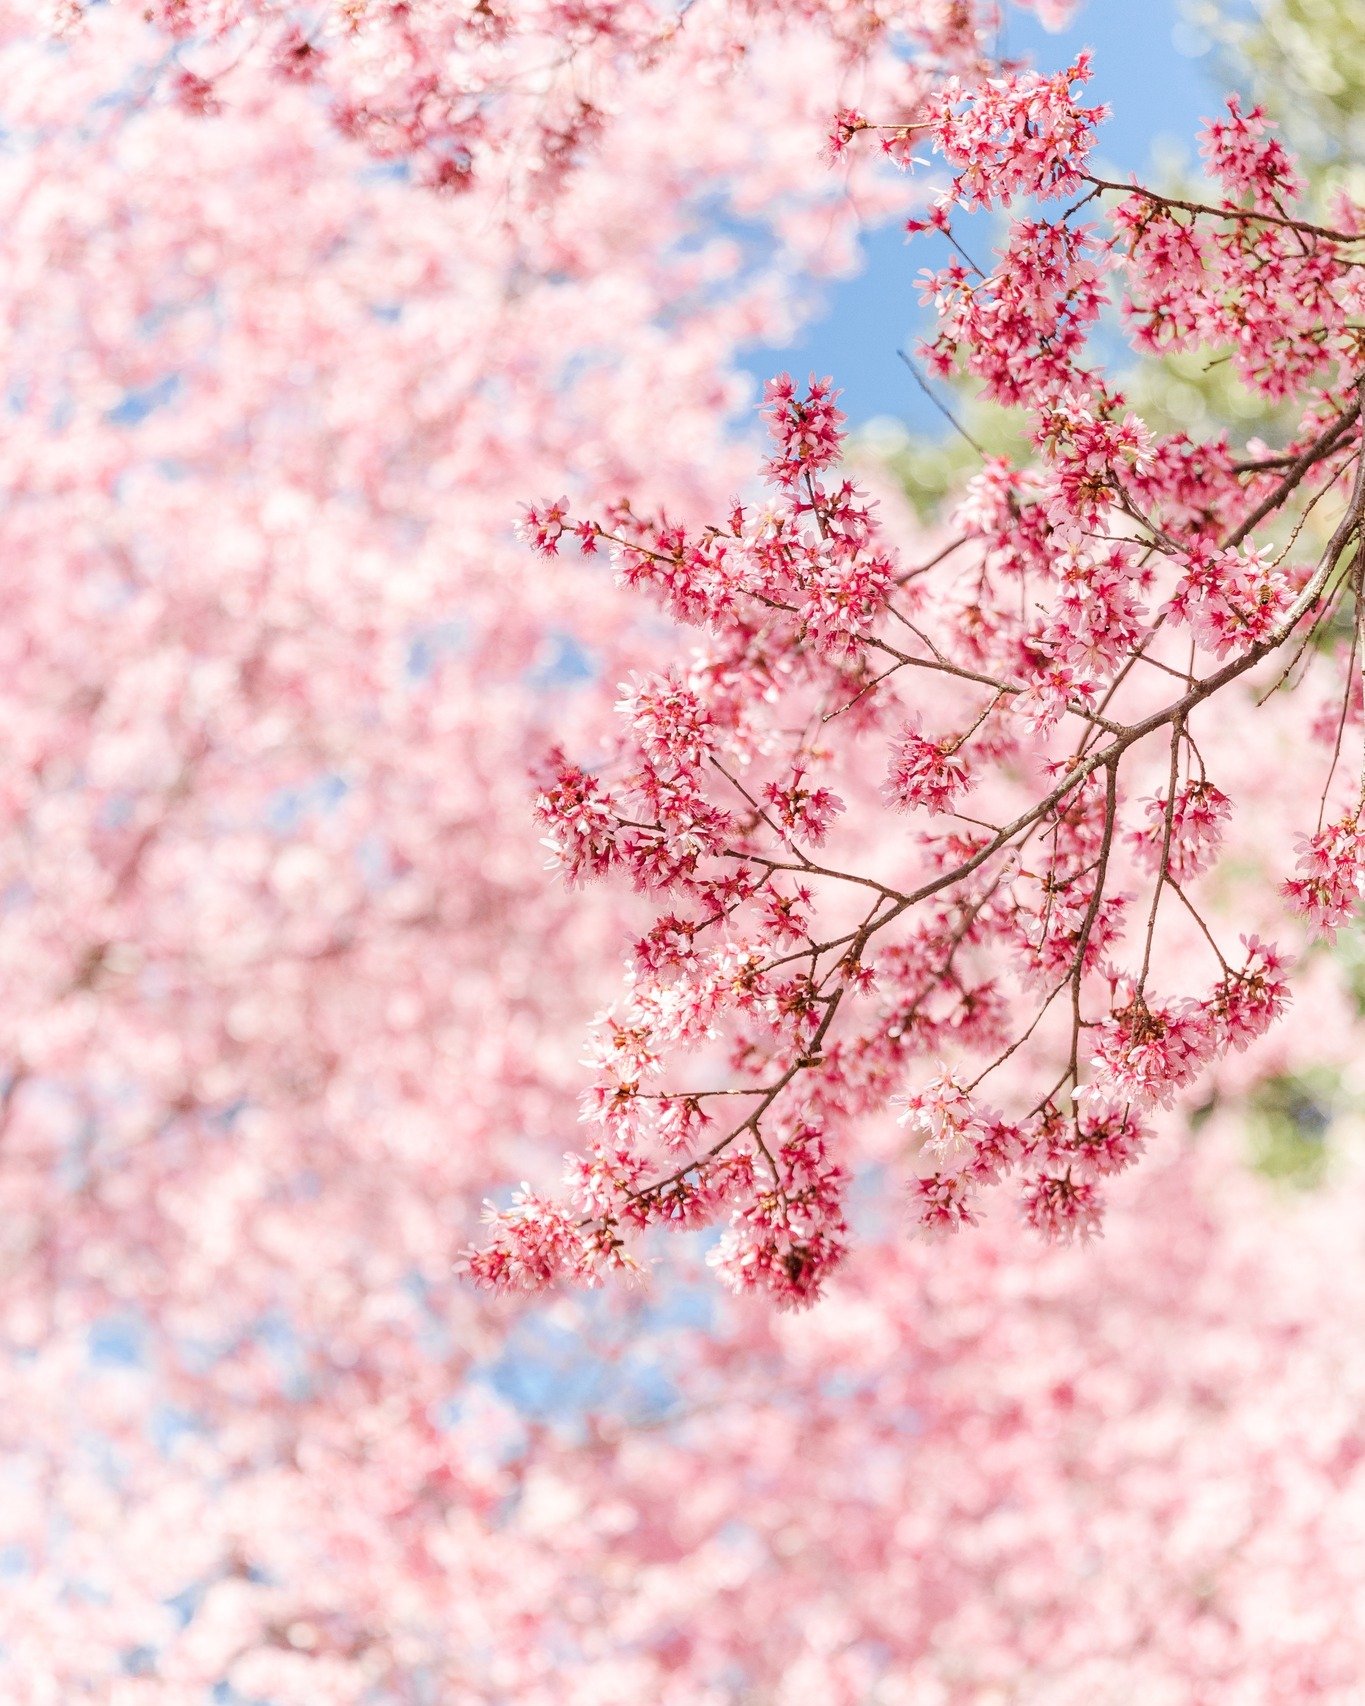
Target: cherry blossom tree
(1057, 682)
(300, 305)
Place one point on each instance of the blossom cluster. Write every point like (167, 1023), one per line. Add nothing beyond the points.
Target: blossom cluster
(286, 985)
(1043, 691)
(505, 93)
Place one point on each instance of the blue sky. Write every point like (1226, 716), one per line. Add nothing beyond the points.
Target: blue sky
(1159, 80)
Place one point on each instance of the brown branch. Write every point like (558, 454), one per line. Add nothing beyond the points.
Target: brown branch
(1246, 214)
(1111, 806)
(1315, 452)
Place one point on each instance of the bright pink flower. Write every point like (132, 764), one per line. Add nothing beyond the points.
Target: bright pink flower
(805, 813)
(1196, 831)
(1230, 599)
(1145, 1052)
(1331, 877)
(582, 826)
(1247, 1002)
(1063, 1210)
(806, 431)
(925, 774)
(1020, 135)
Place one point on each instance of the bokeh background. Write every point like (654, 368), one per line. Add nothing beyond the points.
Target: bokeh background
(287, 991)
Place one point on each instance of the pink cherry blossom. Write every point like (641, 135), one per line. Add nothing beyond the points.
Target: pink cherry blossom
(852, 814)
(1091, 644)
(1330, 877)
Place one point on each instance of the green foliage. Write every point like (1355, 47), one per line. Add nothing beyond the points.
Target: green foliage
(1305, 61)
(928, 468)
(1349, 953)
(1289, 1121)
